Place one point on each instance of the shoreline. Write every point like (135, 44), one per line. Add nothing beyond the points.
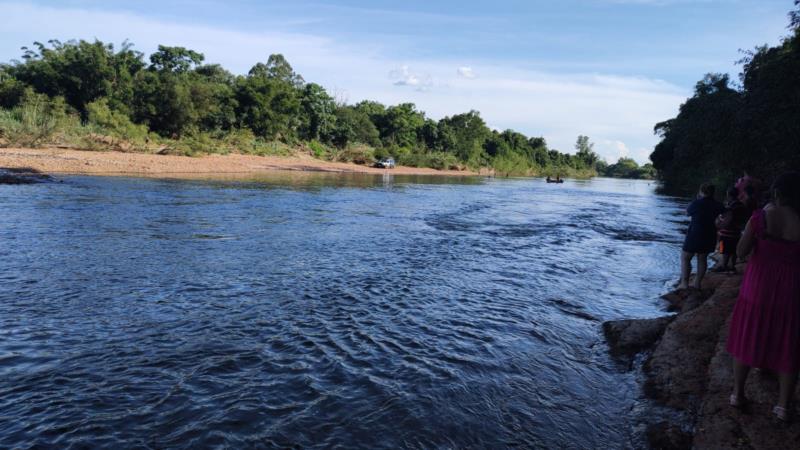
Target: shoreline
(116, 163)
(687, 369)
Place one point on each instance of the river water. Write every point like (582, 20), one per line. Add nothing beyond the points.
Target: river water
(319, 310)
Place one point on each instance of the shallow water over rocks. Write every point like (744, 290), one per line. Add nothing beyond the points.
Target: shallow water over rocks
(324, 310)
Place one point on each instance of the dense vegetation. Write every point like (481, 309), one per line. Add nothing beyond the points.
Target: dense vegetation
(727, 127)
(92, 95)
(627, 168)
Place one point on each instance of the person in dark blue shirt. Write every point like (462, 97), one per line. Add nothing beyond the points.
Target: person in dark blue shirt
(702, 235)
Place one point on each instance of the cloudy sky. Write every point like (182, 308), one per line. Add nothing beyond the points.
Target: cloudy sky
(609, 69)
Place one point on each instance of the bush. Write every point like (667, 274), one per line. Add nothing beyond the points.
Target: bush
(357, 154)
(198, 143)
(11, 91)
(442, 161)
(317, 149)
(116, 124)
(36, 119)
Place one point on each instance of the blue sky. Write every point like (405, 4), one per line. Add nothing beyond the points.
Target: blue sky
(609, 69)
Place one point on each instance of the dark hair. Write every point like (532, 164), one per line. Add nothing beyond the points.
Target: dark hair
(787, 188)
(708, 189)
(733, 192)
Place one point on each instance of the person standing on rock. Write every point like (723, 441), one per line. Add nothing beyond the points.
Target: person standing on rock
(702, 235)
(765, 326)
(730, 225)
(745, 182)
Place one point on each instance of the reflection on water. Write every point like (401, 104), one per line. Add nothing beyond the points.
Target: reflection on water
(309, 179)
(317, 310)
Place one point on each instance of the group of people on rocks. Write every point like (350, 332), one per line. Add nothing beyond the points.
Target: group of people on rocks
(765, 326)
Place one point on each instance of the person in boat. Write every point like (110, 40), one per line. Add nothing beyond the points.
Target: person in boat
(549, 180)
(701, 238)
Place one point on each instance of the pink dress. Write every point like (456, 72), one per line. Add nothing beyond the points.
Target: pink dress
(765, 328)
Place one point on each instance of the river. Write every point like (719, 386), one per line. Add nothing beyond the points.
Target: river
(320, 310)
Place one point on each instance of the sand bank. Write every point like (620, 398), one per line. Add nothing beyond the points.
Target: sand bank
(68, 161)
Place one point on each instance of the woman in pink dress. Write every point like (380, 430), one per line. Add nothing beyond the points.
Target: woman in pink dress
(765, 327)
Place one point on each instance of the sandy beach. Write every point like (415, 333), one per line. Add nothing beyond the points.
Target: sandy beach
(68, 161)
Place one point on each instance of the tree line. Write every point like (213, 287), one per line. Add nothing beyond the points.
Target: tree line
(175, 97)
(727, 126)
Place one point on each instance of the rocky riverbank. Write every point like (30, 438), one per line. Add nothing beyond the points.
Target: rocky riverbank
(22, 175)
(688, 369)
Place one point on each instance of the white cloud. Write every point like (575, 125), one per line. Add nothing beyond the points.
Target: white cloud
(535, 102)
(404, 77)
(466, 72)
(612, 150)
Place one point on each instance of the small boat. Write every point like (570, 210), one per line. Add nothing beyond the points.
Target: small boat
(558, 180)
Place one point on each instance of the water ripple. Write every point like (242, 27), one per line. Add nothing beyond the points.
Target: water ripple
(343, 312)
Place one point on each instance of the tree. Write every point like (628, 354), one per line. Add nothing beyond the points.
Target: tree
(319, 118)
(269, 106)
(11, 89)
(400, 125)
(79, 71)
(212, 89)
(277, 67)
(177, 95)
(704, 141)
(174, 59)
(164, 103)
(469, 133)
(353, 125)
(585, 152)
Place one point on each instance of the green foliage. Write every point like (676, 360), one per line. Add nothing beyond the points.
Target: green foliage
(353, 125)
(585, 155)
(198, 143)
(720, 130)
(358, 154)
(35, 120)
(111, 98)
(628, 168)
(515, 164)
(317, 149)
(319, 118)
(277, 68)
(174, 59)
(268, 105)
(81, 71)
(398, 125)
(164, 102)
(116, 124)
(466, 133)
(11, 89)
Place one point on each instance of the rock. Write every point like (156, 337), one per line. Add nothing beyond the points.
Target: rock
(720, 426)
(22, 176)
(676, 372)
(666, 436)
(686, 299)
(628, 337)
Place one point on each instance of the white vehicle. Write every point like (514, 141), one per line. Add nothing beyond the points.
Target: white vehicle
(385, 163)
